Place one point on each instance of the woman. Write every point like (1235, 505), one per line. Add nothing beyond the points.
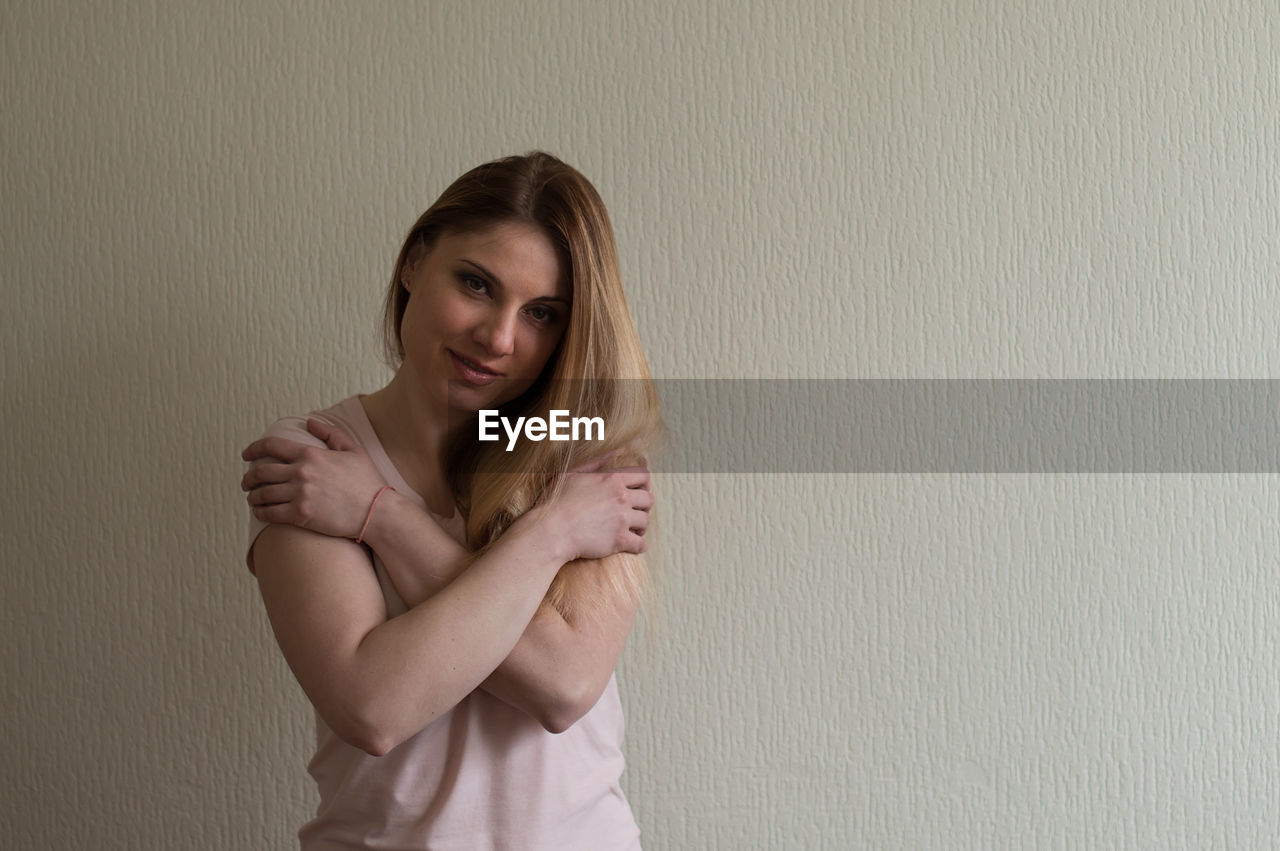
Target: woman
(453, 610)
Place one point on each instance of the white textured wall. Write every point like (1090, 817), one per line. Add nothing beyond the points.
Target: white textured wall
(201, 203)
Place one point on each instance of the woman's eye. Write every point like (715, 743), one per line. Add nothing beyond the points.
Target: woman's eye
(542, 314)
(474, 284)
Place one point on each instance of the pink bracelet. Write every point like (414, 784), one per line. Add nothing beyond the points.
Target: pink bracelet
(369, 516)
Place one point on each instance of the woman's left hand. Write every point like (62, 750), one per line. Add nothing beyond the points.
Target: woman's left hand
(325, 490)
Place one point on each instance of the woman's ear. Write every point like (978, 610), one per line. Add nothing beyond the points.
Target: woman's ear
(410, 267)
(406, 273)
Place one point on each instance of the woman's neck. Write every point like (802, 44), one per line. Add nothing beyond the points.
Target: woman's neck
(414, 434)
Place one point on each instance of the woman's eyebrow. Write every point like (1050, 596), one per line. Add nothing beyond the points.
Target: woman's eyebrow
(498, 281)
(483, 271)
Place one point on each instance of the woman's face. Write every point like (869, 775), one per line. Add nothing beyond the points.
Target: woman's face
(486, 310)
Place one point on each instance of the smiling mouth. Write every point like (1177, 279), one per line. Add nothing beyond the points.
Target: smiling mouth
(473, 372)
(477, 367)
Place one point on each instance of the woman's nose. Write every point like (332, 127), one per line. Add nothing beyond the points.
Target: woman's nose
(498, 334)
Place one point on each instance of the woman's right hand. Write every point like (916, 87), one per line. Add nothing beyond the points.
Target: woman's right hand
(600, 512)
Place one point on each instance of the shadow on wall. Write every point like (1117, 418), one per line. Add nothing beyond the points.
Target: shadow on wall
(146, 666)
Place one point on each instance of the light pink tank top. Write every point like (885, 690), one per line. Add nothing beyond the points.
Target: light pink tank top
(484, 775)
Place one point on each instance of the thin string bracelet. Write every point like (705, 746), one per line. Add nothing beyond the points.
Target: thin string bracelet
(369, 516)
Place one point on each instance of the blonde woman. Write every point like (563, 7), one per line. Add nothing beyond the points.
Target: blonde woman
(453, 610)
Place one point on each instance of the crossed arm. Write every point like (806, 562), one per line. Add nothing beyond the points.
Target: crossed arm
(559, 667)
(485, 615)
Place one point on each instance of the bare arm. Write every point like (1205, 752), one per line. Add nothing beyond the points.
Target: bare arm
(376, 681)
(560, 666)
(557, 667)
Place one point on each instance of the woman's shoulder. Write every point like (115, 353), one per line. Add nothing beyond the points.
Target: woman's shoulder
(345, 415)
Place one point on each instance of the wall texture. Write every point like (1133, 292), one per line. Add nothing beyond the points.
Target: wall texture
(201, 203)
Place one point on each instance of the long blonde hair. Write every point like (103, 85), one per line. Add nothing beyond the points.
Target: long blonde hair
(598, 369)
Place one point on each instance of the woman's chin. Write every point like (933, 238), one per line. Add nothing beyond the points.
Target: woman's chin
(466, 401)
(464, 398)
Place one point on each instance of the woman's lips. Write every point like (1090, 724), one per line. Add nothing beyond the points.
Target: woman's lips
(471, 372)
